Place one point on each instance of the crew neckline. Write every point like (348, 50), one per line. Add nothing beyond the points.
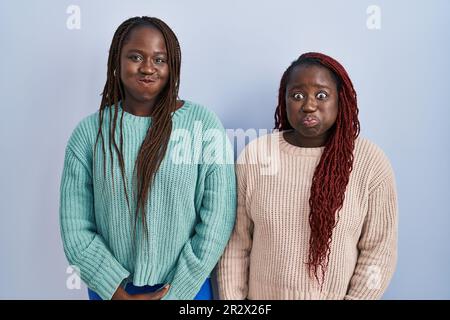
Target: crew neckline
(286, 147)
(129, 117)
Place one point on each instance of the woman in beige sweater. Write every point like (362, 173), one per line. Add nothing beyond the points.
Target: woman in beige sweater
(317, 205)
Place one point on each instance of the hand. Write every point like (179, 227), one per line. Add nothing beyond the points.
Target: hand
(121, 294)
(157, 295)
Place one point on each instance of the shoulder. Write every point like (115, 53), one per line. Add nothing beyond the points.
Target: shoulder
(370, 152)
(372, 160)
(88, 123)
(199, 112)
(84, 133)
(263, 146)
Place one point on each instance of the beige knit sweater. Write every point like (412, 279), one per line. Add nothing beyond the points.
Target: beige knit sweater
(265, 257)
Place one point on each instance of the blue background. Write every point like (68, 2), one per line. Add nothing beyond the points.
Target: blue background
(234, 54)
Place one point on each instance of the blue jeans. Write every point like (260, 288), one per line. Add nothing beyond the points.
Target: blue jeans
(205, 292)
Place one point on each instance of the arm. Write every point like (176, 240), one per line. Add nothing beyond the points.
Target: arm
(233, 268)
(84, 248)
(377, 244)
(201, 252)
(216, 219)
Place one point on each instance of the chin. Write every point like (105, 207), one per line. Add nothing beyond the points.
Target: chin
(310, 132)
(146, 98)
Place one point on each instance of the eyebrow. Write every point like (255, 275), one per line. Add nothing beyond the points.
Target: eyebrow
(300, 86)
(142, 52)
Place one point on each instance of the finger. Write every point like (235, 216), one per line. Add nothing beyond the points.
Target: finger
(162, 292)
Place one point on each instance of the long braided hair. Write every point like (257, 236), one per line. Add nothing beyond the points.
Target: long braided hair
(154, 146)
(332, 173)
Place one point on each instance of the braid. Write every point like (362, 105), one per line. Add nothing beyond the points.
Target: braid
(332, 173)
(154, 146)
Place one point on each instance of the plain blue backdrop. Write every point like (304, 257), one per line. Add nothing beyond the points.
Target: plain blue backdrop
(234, 53)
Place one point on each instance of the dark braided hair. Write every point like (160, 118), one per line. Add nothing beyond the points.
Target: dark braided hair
(332, 173)
(154, 146)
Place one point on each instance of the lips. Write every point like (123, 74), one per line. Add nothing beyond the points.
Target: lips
(310, 121)
(147, 81)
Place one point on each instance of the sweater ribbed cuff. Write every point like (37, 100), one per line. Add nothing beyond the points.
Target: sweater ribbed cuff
(109, 279)
(171, 295)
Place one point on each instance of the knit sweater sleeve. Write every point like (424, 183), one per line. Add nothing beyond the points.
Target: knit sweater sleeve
(216, 218)
(233, 268)
(84, 247)
(378, 241)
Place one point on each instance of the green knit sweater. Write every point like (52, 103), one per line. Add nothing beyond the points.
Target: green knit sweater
(190, 211)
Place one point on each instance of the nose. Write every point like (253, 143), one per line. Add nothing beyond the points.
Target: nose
(309, 105)
(147, 67)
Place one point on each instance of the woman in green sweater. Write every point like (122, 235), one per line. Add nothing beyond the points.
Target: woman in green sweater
(320, 222)
(148, 187)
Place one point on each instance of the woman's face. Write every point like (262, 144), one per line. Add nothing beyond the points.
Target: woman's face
(144, 66)
(311, 103)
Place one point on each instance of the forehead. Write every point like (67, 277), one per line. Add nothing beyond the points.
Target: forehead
(145, 37)
(311, 75)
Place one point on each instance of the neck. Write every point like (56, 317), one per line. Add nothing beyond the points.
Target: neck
(144, 109)
(294, 138)
(139, 109)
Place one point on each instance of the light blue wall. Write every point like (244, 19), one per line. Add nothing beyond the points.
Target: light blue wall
(234, 53)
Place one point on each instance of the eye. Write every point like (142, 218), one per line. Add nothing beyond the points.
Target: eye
(322, 95)
(160, 60)
(136, 58)
(298, 96)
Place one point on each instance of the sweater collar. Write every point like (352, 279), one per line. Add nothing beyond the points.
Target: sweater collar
(298, 151)
(139, 120)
